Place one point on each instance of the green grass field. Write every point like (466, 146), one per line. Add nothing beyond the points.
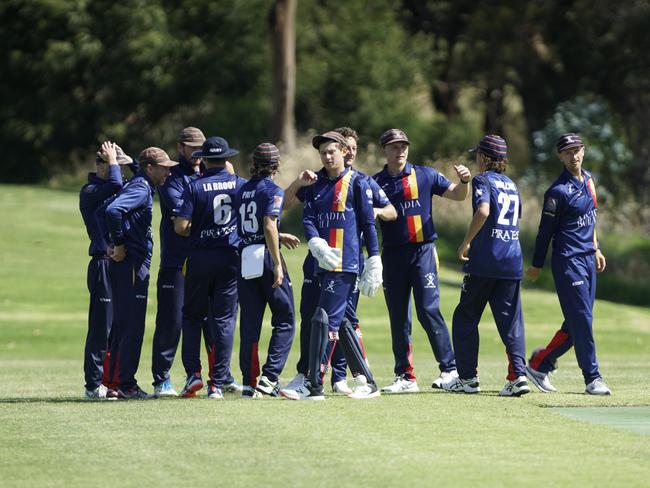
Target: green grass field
(51, 437)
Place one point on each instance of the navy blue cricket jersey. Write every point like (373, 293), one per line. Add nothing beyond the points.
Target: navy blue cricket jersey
(209, 203)
(174, 248)
(495, 251)
(411, 192)
(258, 198)
(569, 218)
(128, 219)
(92, 195)
(339, 211)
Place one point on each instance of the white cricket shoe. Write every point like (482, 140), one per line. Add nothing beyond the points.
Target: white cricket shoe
(445, 378)
(296, 382)
(597, 387)
(303, 392)
(363, 389)
(401, 385)
(460, 385)
(268, 387)
(341, 387)
(99, 393)
(516, 387)
(540, 380)
(250, 393)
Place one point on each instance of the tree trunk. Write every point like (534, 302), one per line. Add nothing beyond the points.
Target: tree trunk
(282, 19)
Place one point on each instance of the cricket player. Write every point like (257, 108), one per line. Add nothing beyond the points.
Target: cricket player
(174, 250)
(263, 277)
(338, 209)
(310, 292)
(128, 219)
(102, 184)
(569, 220)
(207, 214)
(410, 259)
(494, 269)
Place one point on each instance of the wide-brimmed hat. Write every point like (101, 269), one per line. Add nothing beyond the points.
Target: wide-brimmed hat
(156, 157)
(493, 146)
(329, 136)
(215, 147)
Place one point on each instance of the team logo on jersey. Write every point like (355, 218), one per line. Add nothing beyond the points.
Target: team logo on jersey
(478, 192)
(550, 206)
(329, 287)
(430, 280)
(463, 285)
(277, 201)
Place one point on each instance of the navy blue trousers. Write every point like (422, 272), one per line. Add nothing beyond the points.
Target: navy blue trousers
(254, 295)
(415, 267)
(309, 296)
(169, 320)
(130, 302)
(575, 282)
(100, 320)
(210, 287)
(505, 302)
(336, 289)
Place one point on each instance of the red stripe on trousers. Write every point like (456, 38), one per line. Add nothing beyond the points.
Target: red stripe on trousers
(559, 338)
(106, 376)
(511, 371)
(255, 365)
(409, 371)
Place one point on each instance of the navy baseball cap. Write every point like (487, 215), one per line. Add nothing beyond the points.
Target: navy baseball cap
(329, 136)
(493, 146)
(215, 147)
(567, 141)
(393, 135)
(266, 154)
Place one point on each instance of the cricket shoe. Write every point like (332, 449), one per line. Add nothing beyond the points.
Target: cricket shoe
(516, 387)
(341, 387)
(232, 387)
(540, 380)
(100, 393)
(304, 392)
(296, 382)
(401, 385)
(250, 393)
(362, 389)
(460, 385)
(193, 384)
(445, 378)
(164, 389)
(597, 387)
(268, 387)
(215, 393)
(135, 393)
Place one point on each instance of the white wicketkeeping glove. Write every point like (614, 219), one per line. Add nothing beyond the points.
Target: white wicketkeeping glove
(371, 278)
(328, 258)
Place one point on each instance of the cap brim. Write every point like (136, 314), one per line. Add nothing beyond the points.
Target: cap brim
(571, 146)
(192, 143)
(168, 164)
(399, 139)
(227, 154)
(124, 160)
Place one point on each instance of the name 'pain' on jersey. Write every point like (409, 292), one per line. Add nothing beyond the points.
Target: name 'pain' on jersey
(495, 252)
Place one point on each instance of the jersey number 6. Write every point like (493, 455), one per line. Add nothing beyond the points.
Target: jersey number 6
(222, 209)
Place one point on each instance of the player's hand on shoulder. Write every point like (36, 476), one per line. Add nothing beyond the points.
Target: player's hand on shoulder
(601, 262)
(532, 273)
